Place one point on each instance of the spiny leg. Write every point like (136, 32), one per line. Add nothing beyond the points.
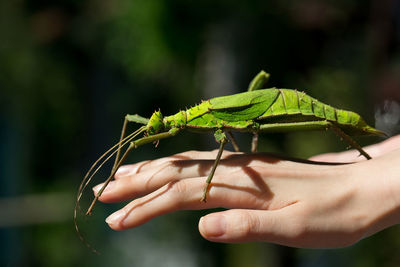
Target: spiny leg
(312, 125)
(349, 140)
(137, 118)
(116, 149)
(254, 143)
(123, 131)
(83, 185)
(221, 138)
(103, 159)
(97, 166)
(114, 170)
(128, 118)
(234, 143)
(258, 82)
(132, 145)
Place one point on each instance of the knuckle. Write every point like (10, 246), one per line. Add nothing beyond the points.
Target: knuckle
(138, 167)
(178, 186)
(177, 190)
(249, 224)
(168, 165)
(166, 169)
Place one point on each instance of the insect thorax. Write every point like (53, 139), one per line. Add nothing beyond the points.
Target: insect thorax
(155, 124)
(177, 120)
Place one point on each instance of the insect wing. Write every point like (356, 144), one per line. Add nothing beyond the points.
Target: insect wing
(243, 106)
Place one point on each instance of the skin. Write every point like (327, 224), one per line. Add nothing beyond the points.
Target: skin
(268, 198)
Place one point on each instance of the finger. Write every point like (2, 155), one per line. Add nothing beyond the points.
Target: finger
(143, 166)
(374, 150)
(231, 168)
(347, 156)
(233, 226)
(133, 185)
(384, 147)
(186, 194)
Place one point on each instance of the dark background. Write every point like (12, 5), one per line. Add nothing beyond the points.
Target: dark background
(70, 71)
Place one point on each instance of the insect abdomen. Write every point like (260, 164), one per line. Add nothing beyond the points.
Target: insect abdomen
(292, 102)
(294, 106)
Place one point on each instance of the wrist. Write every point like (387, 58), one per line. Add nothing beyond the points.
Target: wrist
(390, 174)
(379, 182)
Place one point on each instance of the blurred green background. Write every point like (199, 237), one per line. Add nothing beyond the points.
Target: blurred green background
(70, 71)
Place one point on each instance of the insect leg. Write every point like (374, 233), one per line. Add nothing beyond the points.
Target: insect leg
(312, 125)
(221, 138)
(136, 118)
(123, 131)
(349, 140)
(132, 145)
(254, 143)
(114, 170)
(259, 81)
(295, 126)
(234, 143)
(128, 118)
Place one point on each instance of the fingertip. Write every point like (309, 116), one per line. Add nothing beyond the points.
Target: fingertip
(212, 226)
(109, 188)
(114, 220)
(97, 188)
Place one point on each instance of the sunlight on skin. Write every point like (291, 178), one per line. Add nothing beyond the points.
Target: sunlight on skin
(270, 199)
(374, 151)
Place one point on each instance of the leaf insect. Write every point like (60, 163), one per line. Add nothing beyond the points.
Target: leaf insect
(256, 111)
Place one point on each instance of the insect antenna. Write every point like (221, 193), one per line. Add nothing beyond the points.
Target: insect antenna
(88, 178)
(89, 211)
(83, 240)
(120, 144)
(89, 175)
(119, 147)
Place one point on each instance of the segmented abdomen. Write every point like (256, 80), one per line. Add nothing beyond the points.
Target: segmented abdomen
(293, 102)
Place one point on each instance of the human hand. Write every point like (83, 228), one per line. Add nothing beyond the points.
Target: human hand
(353, 155)
(269, 199)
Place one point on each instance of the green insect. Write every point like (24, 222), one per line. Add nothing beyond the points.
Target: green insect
(256, 111)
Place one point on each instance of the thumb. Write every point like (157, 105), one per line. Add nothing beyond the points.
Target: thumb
(240, 225)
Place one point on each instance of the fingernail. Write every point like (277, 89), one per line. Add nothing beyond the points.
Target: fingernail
(108, 188)
(97, 188)
(123, 170)
(213, 225)
(116, 217)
